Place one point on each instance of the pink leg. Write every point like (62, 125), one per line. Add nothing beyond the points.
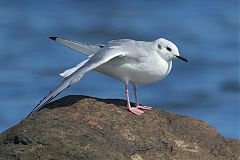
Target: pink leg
(134, 110)
(136, 99)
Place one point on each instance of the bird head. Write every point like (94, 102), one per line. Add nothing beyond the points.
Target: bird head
(168, 50)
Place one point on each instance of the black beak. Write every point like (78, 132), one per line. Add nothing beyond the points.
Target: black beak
(182, 58)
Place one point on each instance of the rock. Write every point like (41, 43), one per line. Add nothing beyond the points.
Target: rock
(85, 128)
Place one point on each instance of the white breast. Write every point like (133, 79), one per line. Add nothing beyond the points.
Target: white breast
(145, 70)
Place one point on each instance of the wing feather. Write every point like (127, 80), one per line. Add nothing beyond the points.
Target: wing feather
(80, 47)
(96, 60)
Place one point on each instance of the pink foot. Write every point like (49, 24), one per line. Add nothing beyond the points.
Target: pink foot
(144, 107)
(135, 110)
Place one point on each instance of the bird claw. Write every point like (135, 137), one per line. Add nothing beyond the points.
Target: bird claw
(135, 110)
(144, 107)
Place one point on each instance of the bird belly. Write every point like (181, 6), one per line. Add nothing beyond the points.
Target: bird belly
(140, 72)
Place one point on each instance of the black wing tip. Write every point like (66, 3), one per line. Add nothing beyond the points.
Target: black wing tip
(53, 38)
(30, 113)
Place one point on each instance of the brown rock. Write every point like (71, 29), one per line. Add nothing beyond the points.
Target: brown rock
(79, 127)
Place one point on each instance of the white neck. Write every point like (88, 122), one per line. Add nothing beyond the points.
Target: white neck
(169, 67)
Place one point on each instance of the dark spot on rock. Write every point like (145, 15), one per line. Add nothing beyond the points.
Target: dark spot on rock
(17, 140)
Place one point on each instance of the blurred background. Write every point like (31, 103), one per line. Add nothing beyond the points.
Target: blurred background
(206, 32)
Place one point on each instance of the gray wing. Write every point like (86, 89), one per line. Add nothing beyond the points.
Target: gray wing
(80, 47)
(96, 60)
(119, 42)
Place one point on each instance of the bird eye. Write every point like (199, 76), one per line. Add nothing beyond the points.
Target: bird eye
(169, 49)
(159, 46)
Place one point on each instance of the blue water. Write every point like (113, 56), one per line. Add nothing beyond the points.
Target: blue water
(206, 32)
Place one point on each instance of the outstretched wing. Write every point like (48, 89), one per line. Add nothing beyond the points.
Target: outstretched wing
(96, 60)
(80, 47)
(70, 71)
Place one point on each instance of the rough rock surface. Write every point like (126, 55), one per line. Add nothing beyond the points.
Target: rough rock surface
(79, 127)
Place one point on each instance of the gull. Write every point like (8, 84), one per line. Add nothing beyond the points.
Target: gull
(127, 60)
